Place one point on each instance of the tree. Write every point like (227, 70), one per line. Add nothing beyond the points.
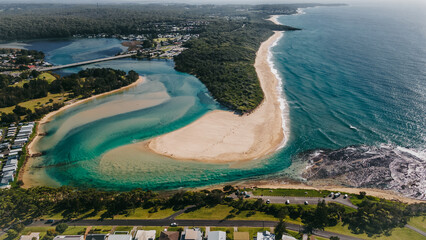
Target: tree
(362, 195)
(12, 234)
(61, 227)
(280, 229)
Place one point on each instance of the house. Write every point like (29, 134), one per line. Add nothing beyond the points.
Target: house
(241, 236)
(287, 237)
(169, 235)
(120, 236)
(32, 236)
(69, 237)
(96, 237)
(192, 234)
(145, 235)
(217, 235)
(266, 235)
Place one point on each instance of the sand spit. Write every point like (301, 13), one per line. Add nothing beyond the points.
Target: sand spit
(223, 136)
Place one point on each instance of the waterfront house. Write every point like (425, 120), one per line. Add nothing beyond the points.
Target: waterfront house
(32, 236)
(241, 236)
(169, 235)
(69, 237)
(217, 235)
(145, 235)
(192, 234)
(266, 235)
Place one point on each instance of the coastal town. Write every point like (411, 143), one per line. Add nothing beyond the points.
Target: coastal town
(167, 233)
(13, 142)
(146, 121)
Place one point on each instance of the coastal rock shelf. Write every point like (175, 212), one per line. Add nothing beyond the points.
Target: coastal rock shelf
(384, 167)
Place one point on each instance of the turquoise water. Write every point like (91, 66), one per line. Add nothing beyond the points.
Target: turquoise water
(353, 76)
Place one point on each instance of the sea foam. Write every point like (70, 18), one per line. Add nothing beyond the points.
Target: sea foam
(281, 98)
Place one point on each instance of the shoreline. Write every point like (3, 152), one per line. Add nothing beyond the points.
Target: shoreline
(222, 136)
(31, 146)
(289, 184)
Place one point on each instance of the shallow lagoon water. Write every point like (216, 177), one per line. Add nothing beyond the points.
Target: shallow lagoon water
(351, 77)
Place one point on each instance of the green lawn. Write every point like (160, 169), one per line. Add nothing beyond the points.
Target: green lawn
(397, 233)
(290, 192)
(38, 102)
(138, 213)
(123, 228)
(418, 222)
(252, 231)
(223, 211)
(44, 76)
(75, 230)
(101, 229)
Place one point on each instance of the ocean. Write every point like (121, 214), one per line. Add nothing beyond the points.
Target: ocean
(355, 76)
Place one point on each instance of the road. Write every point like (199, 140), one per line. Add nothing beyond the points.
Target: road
(416, 229)
(190, 223)
(301, 200)
(84, 63)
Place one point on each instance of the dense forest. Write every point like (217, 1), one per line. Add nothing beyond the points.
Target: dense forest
(222, 58)
(83, 84)
(372, 216)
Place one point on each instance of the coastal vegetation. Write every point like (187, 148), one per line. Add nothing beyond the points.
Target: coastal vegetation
(222, 57)
(23, 205)
(81, 85)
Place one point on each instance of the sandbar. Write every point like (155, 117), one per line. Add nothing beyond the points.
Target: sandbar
(223, 136)
(31, 150)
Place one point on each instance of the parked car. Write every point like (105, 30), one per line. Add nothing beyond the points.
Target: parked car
(268, 201)
(306, 203)
(50, 221)
(287, 201)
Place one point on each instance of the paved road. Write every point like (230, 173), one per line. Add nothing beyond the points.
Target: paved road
(166, 222)
(416, 229)
(84, 63)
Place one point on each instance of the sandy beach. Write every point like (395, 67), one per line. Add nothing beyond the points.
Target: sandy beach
(223, 136)
(274, 19)
(39, 131)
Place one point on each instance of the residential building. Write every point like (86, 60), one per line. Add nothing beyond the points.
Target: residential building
(266, 235)
(145, 235)
(120, 237)
(96, 237)
(69, 237)
(169, 235)
(217, 235)
(241, 236)
(32, 236)
(192, 234)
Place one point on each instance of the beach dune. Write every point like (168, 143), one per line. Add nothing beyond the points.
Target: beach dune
(223, 136)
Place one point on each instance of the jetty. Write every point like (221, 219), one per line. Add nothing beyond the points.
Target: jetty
(84, 63)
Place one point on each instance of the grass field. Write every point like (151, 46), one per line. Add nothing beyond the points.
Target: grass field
(38, 102)
(123, 229)
(418, 222)
(138, 213)
(396, 234)
(222, 211)
(252, 231)
(290, 192)
(44, 76)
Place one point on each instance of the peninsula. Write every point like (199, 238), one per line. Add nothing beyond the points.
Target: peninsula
(223, 136)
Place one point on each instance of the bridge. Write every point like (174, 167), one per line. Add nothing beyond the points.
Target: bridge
(85, 62)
